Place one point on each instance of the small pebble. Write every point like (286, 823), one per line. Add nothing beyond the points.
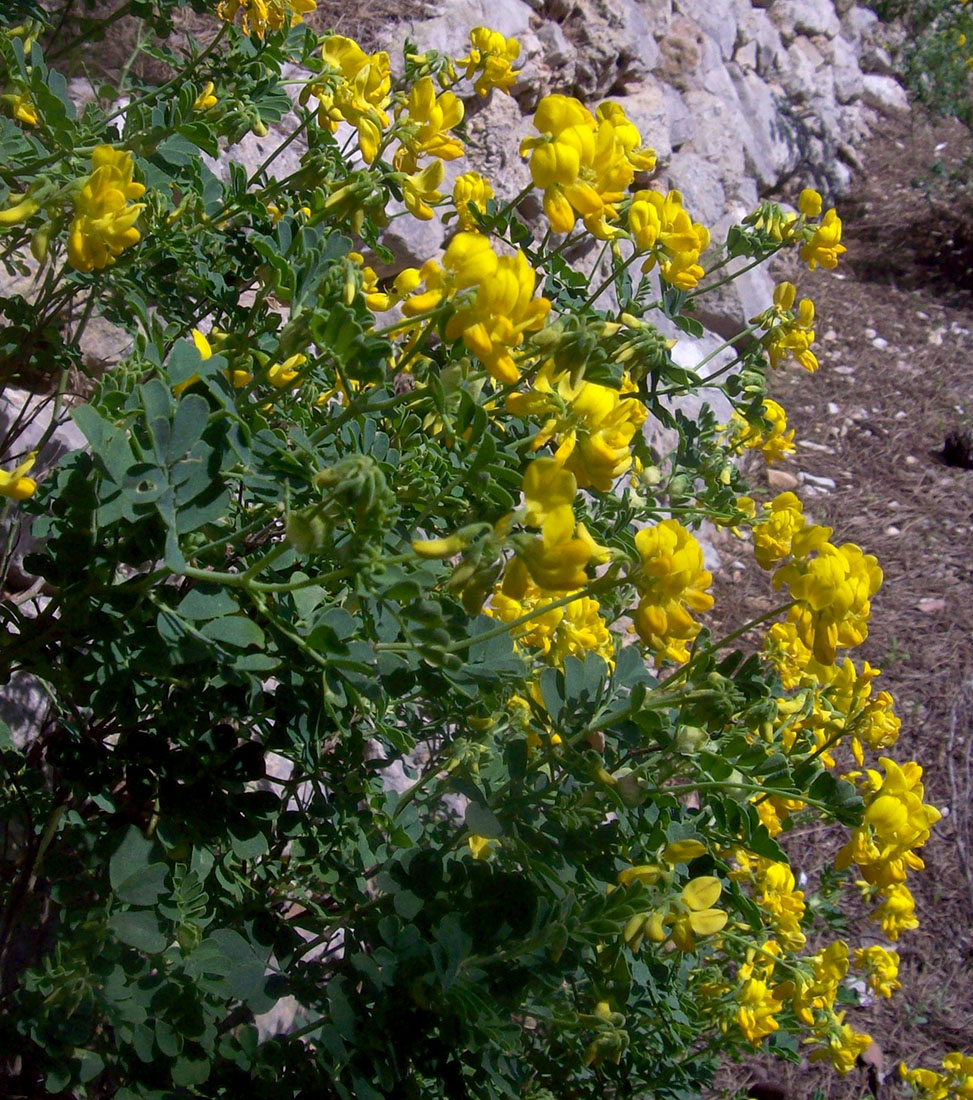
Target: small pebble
(818, 482)
(844, 370)
(831, 334)
(901, 415)
(935, 337)
(870, 334)
(922, 315)
(891, 530)
(911, 460)
(833, 409)
(931, 606)
(880, 342)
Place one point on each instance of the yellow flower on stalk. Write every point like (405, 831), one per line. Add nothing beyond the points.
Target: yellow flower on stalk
(575, 629)
(492, 321)
(356, 91)
(789, 334)
(259, 16)
(480, 846)
(583, 163)
(671, 579)
(758, 1002)
(284, 375)
(897, 913)
(896, 822)
(823, 245)
(592, 425)
(775, 443)
(425, 122)
(238, 378)
(419, 190)
(698, 916)
(817, 993)
(833, 597)
(881, 969)
(20, 106)
(490, 58)
(206, 99)
(470, 187)
(784, 531)
(776, 894)
(809, 203)
(926, 1083)
(659, 225)
(104, 222)
(844, 1045)
(14, 484)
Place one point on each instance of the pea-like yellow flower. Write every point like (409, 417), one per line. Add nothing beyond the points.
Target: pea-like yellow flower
(776, 893)
(592, 425)
(897, 913)
(490, 58)
(844, 1046)
(575, 629)
(774, 443)
(284, 375)
(583, 163)
(356, 90)
(672, 580)
(784, 531)
(470, 187)
(809, 203)
(259, 16)
(698, 916)
(659, 225)
(104, 221)
(823, 245)
(492, 321)
(14, 484)
(833, 591)
(20, 106)
(419, 190)
(206, 99)
(881, 968)
(424, 125)
(789, 334)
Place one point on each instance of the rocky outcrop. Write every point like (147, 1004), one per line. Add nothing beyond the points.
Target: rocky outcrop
(741, 100)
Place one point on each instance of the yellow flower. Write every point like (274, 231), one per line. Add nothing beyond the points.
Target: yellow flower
(490, 58)
(284, 375)
(14, 484)
(359, 92)
(897, 913)
(480, 846)
(809, 203)
(776, 894)
(493, 320)
(425, 129)
(575, 629)
(773, 444)
(419, 190)
(844, 1045)
(470, 187)
(659, 225)
(259, 16)
(206, 99)
(926, 1082)
(20, 106)
(104, 222)
(783, 531)
(758, 1004)
(671, 579)
(583, 164)
(833, 592)
(789, 334)
(823, 245)
(593, 425)
(881, 969)
(698, 917)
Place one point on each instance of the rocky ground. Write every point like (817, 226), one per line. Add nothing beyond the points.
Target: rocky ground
(895, 333)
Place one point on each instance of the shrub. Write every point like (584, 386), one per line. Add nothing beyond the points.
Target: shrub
(374, 628)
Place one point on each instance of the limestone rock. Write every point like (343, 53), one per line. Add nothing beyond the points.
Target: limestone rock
(772, 148)
(717, 21)
(449, 31)
(701, 184)
(648, 109)
(885, 93)
(848, 82)
(808, 17)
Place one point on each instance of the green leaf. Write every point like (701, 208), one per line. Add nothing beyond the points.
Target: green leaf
(207, 601)
(187, 426)
(233, 630)
(482, 821)
(139, 928)
(135, 877)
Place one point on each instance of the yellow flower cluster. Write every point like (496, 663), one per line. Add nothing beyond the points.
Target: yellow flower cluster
(490, 59)
(470, 187)
(425, 123)
(773, 443)
(881, 968)
(672, 581)
(259, 16)
(659, 225)
(591, 425)
(104, 221)
(574, 629)
(584, 163)
(775, 892)
(679, 918)
(492, 320)
(789, 334)
(556, 560)
(356, 90)
(954, 1083)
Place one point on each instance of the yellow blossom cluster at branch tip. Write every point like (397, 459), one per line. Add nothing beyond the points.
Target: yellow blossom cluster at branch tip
(355, 89)
(104, 221)
(660, 226)
(490, 59)
(672, 581)
(584, 163)
(774, 443)
(259, 16)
